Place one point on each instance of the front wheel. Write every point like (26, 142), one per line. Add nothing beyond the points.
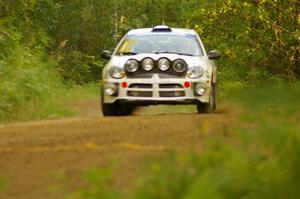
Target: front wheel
(212, 104)
(115, 109)
(109, 109)
(204, 108)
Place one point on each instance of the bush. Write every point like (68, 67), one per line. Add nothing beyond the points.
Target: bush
(98, 185)
(29, 84)
(79, 68)
(262, 165)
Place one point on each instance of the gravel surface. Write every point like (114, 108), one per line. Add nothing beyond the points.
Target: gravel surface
(46, 159)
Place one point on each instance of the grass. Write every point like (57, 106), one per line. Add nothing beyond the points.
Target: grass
(59, 104)
(3, 183)
(79, 92)
(99, 188)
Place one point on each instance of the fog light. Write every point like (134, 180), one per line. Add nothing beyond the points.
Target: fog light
(200, 89)
(110, 90)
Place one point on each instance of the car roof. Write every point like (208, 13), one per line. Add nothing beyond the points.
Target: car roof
(172, 30)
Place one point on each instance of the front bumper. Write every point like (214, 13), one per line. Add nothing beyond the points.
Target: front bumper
(156, 90)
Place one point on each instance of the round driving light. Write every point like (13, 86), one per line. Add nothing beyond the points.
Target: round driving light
(109, 91)
(200, 89)
(117, 73)
(187, 84)
(132, 66)
(195, 73)
(163, 64)
(179, 66)
(124, 84)
(148, 64)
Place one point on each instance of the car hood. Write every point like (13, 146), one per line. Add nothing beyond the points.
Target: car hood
(192, 61)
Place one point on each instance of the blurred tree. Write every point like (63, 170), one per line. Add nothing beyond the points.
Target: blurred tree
(257, 37)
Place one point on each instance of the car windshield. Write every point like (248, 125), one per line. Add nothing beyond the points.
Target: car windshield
(183, 44)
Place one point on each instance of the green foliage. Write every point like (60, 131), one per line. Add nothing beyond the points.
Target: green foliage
(258, 167)
(80, 68)
(98, 186)
(29, 86)
(82, 92)
(280, 97)
(257, 38)
(3, 182)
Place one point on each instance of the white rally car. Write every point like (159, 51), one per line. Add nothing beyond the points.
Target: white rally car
(159, 65)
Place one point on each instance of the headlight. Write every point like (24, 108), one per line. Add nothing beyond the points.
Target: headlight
(117, 73)
(163, 64)
(179, 66)
(195, 73)
(148, 64)
(132, 66)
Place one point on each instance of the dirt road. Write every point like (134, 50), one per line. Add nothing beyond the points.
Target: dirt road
(47, 159)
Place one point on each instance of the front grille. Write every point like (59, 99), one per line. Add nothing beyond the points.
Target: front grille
(170, 86)
(168, 90)
(140, 86)
(171, 90)
(139, 93)
(140, 90)
(171, 93)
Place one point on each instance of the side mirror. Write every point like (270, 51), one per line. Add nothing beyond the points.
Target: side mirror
(214, 54)
(106, 54)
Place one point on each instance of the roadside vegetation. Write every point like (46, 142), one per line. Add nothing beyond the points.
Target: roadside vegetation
(29, 83)
(2, 184)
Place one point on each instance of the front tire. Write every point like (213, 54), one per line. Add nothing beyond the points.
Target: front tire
(204, 108)
(215, 95)
(114, 109)
(211, 106)
(109, 109)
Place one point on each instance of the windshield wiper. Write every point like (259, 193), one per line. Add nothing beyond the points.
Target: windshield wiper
(128, 53)
(170, 52)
